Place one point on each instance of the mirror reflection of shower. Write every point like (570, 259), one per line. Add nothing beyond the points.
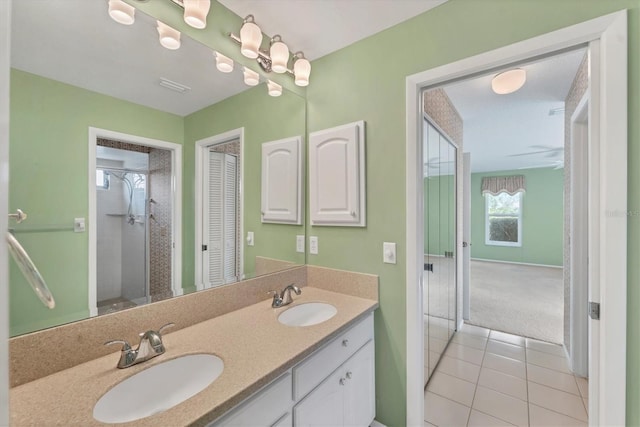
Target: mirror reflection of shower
(122, 229)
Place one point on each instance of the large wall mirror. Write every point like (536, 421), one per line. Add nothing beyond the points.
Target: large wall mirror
(105, 127)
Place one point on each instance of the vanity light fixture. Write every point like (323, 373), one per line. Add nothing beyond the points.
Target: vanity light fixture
(121, 12)
(278, 56)
(195, 12)
(224, 64)
(251, 78)
(274, 88)
(509, 81)
(250, 38)
(169, 37)
(301, 70)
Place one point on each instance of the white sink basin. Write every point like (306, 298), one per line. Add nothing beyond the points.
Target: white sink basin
(158, 388)
(307, 314)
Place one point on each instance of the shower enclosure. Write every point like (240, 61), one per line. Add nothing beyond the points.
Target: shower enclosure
(122, 199)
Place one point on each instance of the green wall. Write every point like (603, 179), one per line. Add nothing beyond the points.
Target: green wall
(48, 154)
(360, 83)
(264, 119)
(542, 219)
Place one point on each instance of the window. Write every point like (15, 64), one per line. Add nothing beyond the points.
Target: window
(102, 179)
(503, 219)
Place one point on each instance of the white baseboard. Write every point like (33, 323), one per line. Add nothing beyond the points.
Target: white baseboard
(514, 262)
(377, 424)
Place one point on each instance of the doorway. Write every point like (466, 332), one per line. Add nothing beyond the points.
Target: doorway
(134, 220)
(607, 183)
(219, 210)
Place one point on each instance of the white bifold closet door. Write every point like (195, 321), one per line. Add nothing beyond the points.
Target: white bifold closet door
(220, 204)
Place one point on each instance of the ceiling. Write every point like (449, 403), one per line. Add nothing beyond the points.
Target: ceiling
(506, 132)
(76, 42)
(319, 27)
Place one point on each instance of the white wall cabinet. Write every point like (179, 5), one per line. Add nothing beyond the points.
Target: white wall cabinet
(337, 176)
(282, 181)
(334, 386)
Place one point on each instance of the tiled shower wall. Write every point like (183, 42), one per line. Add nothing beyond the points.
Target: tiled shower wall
(160, 239)
(577, 91)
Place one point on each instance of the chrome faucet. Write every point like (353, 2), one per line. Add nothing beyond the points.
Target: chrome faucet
(284, 297)
(149, 347)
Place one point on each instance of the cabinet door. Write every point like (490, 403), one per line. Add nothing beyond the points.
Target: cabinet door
(336, 176)
(324, 406)
(360, 390)
(281, 181)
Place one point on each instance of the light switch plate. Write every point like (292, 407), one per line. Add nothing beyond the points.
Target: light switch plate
(389, 253)
(78, 225)
(313, 245)
(249, 238)
(300, 243)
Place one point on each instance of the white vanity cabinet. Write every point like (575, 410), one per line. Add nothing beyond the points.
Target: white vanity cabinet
(345, 398)
(334, 386)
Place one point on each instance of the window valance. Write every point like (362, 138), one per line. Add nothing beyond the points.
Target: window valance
(503, 184)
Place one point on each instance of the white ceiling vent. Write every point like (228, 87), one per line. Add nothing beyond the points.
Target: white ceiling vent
(174, 85)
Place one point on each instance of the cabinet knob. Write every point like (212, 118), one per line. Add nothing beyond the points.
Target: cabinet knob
(345, 343)
(342, 381)
(349, 375)
(353, 213)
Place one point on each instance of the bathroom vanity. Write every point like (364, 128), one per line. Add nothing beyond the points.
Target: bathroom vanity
(274, 374)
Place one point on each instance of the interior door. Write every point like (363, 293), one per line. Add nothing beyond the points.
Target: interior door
(466, 236)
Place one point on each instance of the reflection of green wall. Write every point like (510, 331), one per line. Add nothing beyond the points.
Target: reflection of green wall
(542, 219)
(440, 216)
(48, 153)
(48, 156)
(262, 118)
(354, 84)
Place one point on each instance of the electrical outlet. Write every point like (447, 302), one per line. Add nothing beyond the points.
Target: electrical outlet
(313, 245)
(250, 238)
(300, 243)
(389, 253)
(78, 225)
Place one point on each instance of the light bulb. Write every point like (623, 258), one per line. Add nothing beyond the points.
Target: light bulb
(274, 88)
(509, 81)
(251, 78)
(195, 12)
(301, 71)
(279, 53)
(223, 63)
(169, 37)
(121, 12)
(250, 38)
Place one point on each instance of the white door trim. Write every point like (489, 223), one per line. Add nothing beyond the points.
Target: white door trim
(202, 146)
(578, 230)
(608, 187)
(5, 49)
(176, 220)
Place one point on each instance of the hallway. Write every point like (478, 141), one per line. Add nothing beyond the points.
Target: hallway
(490, 378)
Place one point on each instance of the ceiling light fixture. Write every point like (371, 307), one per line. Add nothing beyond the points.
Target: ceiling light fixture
(224, 64)
(509, 81)
(121, 12)
(251, 78)
(169, 37)
(274, 88)
(278, 56)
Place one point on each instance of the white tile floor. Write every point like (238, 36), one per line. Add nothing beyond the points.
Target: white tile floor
(489, 378)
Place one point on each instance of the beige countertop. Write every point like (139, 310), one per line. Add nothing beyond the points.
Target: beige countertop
(253, 345)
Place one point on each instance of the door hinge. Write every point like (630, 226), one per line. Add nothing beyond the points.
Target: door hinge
(204, 248)
(594, 310)
(428, 267)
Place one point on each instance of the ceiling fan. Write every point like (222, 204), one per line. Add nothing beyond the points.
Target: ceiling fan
(548, 150)
(557, 164)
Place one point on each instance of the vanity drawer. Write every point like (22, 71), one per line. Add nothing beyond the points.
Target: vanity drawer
(311, 372)
(268, 407)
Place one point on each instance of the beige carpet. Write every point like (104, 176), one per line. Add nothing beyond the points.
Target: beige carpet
(519, 299)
